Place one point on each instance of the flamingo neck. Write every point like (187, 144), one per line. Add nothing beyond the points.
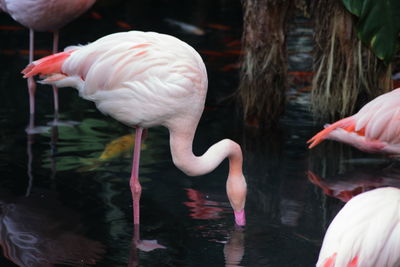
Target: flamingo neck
(181, 142)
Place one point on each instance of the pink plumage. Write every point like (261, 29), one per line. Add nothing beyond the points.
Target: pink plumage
(146, 79)
(374, 129)
(365, 232)
(44, 15)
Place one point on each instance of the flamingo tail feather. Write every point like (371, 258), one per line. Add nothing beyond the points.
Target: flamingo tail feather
(48, 65)
(319, 137)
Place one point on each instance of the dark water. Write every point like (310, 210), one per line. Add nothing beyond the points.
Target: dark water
(64, 194)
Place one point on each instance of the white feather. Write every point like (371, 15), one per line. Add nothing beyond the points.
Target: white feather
(368, 228)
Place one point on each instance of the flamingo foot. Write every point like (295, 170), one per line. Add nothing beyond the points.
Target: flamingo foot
(57, 122)
(37, 129)
(149, 245)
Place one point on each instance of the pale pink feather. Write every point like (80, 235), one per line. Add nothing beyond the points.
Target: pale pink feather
(366, 229)
(375, 128)
(44, 15)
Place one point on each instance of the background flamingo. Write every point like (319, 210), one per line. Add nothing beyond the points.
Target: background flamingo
(145, 79)
(365, 232)
(375, 128)
(44, 15)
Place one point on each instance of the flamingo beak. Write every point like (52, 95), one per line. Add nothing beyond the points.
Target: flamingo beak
(240, 217)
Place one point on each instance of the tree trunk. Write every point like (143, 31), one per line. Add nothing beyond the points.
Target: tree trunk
(263, 82)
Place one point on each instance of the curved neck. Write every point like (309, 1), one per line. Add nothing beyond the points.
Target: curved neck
(182, 154)
(181, 140)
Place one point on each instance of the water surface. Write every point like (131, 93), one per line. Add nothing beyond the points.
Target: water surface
(64, 194)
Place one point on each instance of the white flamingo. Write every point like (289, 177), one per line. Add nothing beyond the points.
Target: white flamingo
(365, 232)
(145, 79)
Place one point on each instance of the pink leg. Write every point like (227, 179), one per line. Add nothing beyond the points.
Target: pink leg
(31, 91)
(31, 81)
(136, 188)
(134, 258)
(55, 97)
(55, 41)
(55, 50)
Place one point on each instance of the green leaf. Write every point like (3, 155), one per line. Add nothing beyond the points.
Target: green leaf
(378, 25)
(353, 6)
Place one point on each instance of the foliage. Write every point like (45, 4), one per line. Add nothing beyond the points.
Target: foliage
(378, 25)
(346, 73)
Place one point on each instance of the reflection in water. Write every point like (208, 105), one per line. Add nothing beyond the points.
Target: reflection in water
(284, 208)
(361, 179)
(38, 231)
(32, 129)
(205, 207)
(29, 143)
(201, 208)
(53, 148)
(119, 147)
(142, 245)
(234, 248)
(264, 155)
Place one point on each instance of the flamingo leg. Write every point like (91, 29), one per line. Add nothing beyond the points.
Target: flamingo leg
(136, 188)
(31, 81)
(134, 257)
(55, 50)
(30, 141)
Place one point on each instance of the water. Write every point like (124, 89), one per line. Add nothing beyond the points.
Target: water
(64, 194)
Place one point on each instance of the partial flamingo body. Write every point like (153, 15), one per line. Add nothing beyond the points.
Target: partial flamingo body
(365, 232)
(374, 129)
(146, 79)
(44, 15)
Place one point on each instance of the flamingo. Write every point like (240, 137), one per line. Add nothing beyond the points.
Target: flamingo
(365, 232)
(44, 15)
(374, 128)
(146, 79)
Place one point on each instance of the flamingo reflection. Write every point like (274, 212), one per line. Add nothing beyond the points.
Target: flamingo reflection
(203, 208)
(39, 231)
(36, 230)
(234, 247)
(362, 179)
(142, 245)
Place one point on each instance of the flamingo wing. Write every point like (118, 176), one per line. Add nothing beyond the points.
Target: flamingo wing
(145, 70)
(380, 118)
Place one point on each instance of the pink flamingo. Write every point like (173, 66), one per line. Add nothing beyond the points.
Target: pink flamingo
(365, 232)
(146, 79)
(44, 15)
(374, 129)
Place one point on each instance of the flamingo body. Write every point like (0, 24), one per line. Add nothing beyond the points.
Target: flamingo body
(145, 79)
(140, 70)
(365, 232)
(375, 128)
(45, 15)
